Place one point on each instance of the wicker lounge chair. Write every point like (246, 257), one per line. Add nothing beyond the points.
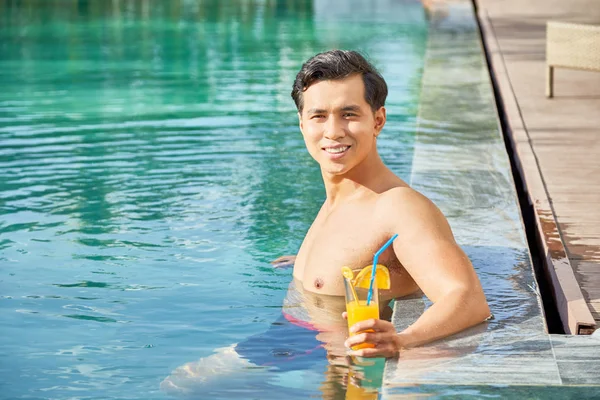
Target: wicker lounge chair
(568, 45)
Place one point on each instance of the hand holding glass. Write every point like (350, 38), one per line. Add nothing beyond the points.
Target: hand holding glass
(357, 293)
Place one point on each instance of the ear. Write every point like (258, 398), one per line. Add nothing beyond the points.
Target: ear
(380, 118)
(300, 122)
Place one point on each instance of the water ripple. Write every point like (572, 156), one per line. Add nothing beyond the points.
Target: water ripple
(151, 166)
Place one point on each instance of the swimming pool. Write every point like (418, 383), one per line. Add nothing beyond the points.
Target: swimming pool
(150, 168)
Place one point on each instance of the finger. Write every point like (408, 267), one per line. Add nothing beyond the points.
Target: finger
(386, 351)
(281, 259)
(363, 325)
(345, 315)
(354, 340)
(282, 262)
(368, 352)
(375, 338)
(373, 324)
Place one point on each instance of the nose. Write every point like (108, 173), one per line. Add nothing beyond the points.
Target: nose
(334, 128)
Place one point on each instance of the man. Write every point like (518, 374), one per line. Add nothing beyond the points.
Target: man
(340, 99)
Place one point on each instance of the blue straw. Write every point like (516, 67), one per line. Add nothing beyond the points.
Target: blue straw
(375, 259)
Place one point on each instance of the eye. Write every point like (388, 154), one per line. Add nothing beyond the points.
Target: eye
(350, 115)
(317, 116)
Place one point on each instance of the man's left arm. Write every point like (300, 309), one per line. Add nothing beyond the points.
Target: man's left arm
(427, 250)
(284, 261)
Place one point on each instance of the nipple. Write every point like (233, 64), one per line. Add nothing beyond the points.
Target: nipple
(319, 283)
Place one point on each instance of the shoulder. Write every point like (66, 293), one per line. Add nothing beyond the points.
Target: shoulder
(407, 208)
(404, 200)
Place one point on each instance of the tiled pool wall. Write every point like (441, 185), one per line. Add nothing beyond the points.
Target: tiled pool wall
(460, 162)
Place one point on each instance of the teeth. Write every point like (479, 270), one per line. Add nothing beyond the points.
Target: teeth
(336, 150)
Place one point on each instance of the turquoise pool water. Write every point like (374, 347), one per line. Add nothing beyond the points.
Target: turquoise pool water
(151, 167)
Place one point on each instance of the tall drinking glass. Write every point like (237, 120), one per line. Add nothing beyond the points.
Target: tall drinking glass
(357, 308)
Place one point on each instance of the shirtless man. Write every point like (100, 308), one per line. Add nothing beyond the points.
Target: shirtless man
(340, 99)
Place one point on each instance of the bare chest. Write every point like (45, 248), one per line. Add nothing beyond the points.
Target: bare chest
(344, 239)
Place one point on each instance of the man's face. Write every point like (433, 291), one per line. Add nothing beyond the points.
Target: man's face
(338, 125)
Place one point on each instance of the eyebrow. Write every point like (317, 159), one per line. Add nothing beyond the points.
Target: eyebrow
(351, 107)
(316, 111)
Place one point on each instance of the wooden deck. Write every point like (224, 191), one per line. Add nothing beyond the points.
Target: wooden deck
(557, 142)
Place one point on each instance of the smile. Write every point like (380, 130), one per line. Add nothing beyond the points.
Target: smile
(336, 150)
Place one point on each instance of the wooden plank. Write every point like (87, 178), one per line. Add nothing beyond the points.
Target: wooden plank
(573, 309)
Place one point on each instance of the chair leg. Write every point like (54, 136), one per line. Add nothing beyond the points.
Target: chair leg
(549, 81)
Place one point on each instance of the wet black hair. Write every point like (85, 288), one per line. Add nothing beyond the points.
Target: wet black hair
(340, 64)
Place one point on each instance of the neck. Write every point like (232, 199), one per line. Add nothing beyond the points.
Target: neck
(364, 178)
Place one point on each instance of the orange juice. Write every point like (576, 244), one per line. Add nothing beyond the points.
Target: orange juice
(360, 311)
